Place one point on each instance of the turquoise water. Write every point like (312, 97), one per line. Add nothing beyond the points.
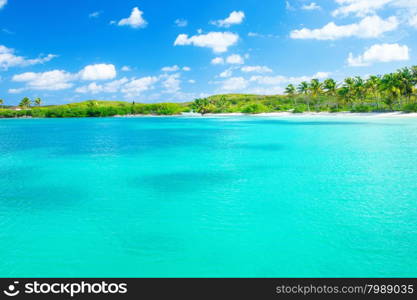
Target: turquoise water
(231, 196)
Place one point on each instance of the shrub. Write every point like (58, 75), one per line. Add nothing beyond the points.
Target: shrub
(361, 108)
(255, 108)
(409, 108)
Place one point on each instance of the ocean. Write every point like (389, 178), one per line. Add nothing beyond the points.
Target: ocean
(208, 197)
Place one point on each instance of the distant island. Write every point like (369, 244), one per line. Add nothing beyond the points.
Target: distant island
(390, 92)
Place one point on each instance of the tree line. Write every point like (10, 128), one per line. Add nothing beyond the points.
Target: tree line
(378, 93)
(393, 91)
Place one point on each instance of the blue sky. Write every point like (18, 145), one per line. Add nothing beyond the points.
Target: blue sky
(174, 50)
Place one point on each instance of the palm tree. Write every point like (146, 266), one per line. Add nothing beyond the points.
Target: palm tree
(202, 106)
(38, 101)
(372, 87)
(290, 91)
(359, 88)
(350, 89)
(303, 88)
(1, 102)
(315, 89)
(25, 103)
(390, 86)
(330, 87)
(406, 83)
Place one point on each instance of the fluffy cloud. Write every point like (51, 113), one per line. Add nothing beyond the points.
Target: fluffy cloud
(380, 53)
(288, 6)
(137, 86)
(2, 3)
(256, 69)
(218, 41)
(280, 80)
(171, 83)
(110, 87)
(235, 59)
(235, 17)
(135, 20)
(311, 6)
(181, 22)
(60, 79)
(98, 72)
(50, 80)
(170, 69)
(9, 59)
(413, 21)
(126, 69)
(362, 8)
(359, 7)
(175, 68)
(217, 61)
(234, 84)
(369, 27)
(94, 14)
(226, 73)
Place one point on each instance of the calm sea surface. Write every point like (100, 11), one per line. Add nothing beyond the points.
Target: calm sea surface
(230, 196)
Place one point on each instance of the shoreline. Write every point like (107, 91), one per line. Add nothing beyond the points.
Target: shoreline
(396, 114)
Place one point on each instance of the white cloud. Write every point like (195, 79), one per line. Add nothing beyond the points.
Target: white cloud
(135, 20)
(311, 6)
(261, 35)
(170, 69)
(380, 53)
(181, 22)
(192, 81)
(186, 69)
(359, 7)
(256, 69)
(369, 27)
(137, 86)
(126, 69)
(98, 72)
(413, 21)
(288, 6)
(218, 41)
(92, 88)
(171, 83)
(234, 84)
(60, 79)
(8, 59)
(235, 59)
(94, 14)
(280, 80)
(50, 80)
(235, 17)
(15, 91)
(217, 61)
(362, 8)
(2, 3)
(226, 73)
(110, 87)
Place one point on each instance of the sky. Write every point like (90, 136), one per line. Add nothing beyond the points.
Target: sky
(178, 50)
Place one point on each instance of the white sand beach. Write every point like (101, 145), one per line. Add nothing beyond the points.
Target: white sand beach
(396, 114)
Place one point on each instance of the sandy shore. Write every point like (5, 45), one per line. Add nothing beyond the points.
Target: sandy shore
(314, 114)
(396, 114)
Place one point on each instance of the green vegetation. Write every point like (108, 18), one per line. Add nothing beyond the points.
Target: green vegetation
(391, 92)
(91, 108)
